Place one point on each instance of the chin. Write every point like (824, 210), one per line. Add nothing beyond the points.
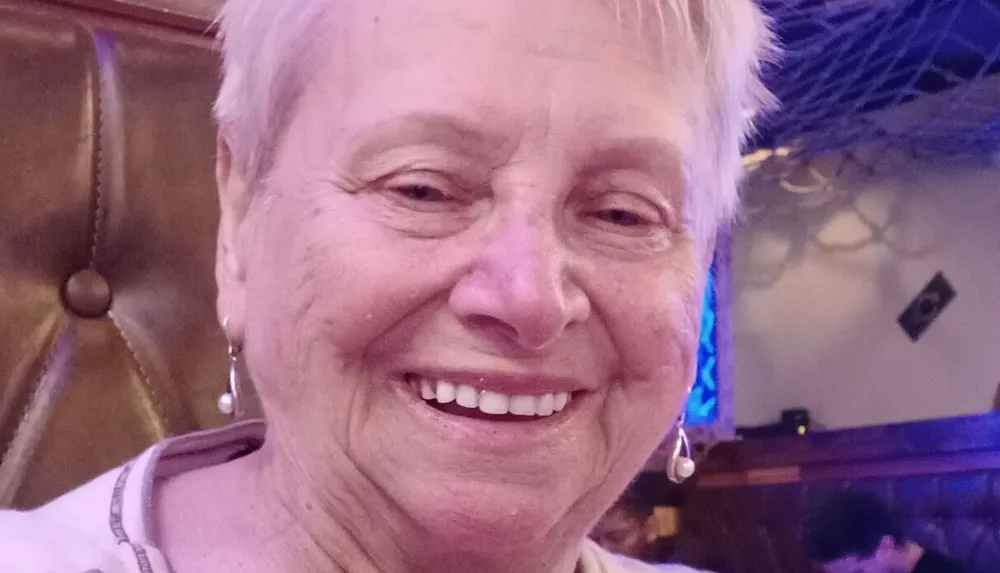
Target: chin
(466, 516)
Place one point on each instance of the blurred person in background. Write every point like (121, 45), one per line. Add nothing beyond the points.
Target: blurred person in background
(855, 532)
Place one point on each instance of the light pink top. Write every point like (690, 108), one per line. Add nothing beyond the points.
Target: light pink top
(104, 526)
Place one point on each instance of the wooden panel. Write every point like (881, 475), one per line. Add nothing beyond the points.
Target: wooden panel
(740, 514)
(965, 435)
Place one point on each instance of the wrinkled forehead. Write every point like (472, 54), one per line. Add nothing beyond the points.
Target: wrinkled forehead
(476, 38)
(560, 28)
(583, 69)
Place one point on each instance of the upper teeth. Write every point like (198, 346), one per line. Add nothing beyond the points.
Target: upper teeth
(490, 402)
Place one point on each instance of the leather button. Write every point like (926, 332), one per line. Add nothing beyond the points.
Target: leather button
(87, 294)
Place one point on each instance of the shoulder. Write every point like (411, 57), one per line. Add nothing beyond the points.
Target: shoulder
(598, 560)
(71, 534)
(33, 543)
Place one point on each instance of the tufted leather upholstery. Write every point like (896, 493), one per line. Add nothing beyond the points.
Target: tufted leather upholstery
(108, 333)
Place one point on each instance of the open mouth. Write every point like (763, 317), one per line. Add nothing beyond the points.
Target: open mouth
(470, 402)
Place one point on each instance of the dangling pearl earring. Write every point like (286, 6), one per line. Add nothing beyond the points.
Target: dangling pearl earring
(680, 466)
(229, 401)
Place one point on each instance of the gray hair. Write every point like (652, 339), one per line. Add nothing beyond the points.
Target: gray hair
(267, 43)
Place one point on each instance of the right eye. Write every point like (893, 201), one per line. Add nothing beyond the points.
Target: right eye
(419, 192)
(424, 189)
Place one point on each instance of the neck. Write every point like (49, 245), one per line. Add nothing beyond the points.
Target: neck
(260, 514)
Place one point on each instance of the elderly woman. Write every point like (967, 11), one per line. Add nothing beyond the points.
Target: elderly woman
(461, 252)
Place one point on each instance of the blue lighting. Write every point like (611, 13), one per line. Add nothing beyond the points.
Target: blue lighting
(703, 405)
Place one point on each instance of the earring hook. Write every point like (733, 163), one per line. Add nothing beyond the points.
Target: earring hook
(229, 401)
(680, 466)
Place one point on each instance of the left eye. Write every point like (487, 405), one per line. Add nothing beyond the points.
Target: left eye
(420, 193)
(621, 217)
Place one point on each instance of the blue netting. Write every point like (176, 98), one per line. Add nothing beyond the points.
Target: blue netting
(849, 63)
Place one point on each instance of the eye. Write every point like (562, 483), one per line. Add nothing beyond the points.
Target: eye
(419, 192)
(622, 217)
(423, 190)
(626, 203)
(624, 213)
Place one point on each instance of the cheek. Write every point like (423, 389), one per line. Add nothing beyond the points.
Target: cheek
(278, 279)
(332, 280)
(657, 325)
(312, 279)
(656, 336)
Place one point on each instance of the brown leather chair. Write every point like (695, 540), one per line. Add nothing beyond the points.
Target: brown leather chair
(108, 333)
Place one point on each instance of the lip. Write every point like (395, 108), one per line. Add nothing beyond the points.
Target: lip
(503, 383)
(500, 437)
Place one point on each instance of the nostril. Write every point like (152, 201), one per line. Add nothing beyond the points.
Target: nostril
(493, 328)
(518, 311)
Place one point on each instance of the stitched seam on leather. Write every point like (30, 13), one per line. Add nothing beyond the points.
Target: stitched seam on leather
(117, 522)
(28, 432)
(104, 56)
(107, 176)
(147, 381)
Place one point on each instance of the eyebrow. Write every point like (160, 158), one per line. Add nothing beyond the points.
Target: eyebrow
(660, 158)
(639, 151)
(452, 132)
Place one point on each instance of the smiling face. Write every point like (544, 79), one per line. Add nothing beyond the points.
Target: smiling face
(468, 291)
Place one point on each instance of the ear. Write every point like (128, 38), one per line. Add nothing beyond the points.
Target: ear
(230, 262)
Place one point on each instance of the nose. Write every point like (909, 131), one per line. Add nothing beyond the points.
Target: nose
(521, 287)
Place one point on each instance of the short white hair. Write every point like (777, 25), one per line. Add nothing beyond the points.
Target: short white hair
(268, 46)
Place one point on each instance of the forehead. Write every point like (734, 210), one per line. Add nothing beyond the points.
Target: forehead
(575, 65)
(562, 29)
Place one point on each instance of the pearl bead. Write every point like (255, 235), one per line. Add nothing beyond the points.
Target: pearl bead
(225, 404)
(684, 467)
